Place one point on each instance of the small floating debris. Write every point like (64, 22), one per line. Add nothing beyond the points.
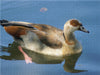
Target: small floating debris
(43, 9)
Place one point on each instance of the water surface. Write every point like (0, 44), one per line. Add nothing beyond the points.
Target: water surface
(57, 13)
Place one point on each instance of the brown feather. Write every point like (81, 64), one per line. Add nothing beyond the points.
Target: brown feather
(15, 31)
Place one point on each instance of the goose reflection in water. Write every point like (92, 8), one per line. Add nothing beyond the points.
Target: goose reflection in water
(15, 54)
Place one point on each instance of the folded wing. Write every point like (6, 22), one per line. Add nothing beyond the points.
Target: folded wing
(47, 34)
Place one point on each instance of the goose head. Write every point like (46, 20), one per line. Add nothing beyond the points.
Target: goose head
(74, 25)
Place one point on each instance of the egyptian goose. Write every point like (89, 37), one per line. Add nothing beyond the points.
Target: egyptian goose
(45, 39)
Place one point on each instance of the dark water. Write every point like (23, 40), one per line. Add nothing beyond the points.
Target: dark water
(57, 13)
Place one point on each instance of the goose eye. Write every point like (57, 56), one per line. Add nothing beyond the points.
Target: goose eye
(82, 27)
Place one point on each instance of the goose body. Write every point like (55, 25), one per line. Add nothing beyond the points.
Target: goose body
(32, 42)
(46, 39)
(36, 45)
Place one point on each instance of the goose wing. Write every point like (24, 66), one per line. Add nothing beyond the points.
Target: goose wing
(47, 34)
